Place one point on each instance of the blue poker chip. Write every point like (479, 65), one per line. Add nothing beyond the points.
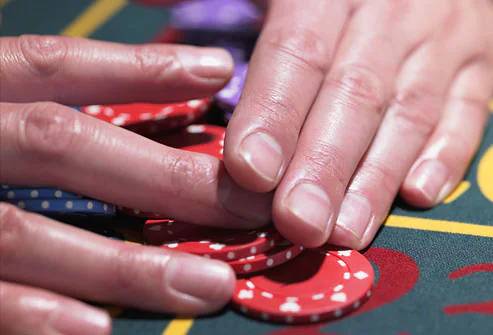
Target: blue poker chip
(76, 108)
(66, 207)
(10, 193)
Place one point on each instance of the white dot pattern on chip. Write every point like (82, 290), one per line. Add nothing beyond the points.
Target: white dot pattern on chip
(93, 110)
(58, 194)
(196, 129)
(231, 255)
(69, 204)
(34, 194)
(247, 267)
(270, 262)
(45, 205)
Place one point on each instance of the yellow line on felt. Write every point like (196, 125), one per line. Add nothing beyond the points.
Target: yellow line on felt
(439, 225)
(3, 3)
(491, 106)
(178, 326)
(93, 17)
(460, 189)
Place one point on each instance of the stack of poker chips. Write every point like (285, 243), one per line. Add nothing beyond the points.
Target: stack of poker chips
(277, 281)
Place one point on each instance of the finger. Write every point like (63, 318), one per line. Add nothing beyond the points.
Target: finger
(443, 162)
(76, 71)
(106, 270)
(413, 113)
(51, 145)
(27, 310)
(344, 119)
(290, 60)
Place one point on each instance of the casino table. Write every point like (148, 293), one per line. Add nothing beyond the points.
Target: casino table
(434, 268)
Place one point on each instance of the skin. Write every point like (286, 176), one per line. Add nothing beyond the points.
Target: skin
(357, 100)
(349, 103)
(43, 265)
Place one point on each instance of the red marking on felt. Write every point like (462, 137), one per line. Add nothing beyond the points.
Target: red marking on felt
(480, 307)
(398, 275)
(470, 269)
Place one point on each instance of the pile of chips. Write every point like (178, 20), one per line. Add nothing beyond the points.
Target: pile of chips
(277, 281)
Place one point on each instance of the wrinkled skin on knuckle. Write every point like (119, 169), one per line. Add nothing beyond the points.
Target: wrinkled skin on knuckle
(323, 160)
(355, 86)
(44, 55)
(130, 271)
(151, 63)
(14, 231)
(48, 131)
(185, 173)
(298, 44)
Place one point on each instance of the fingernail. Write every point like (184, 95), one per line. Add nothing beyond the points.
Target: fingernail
(198, 277)
(311, 205)
(355, 215)
(263, 154)
(430, 178)
(243, 203)
(210, 63)
(78, 319)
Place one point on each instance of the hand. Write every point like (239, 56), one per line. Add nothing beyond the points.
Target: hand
(349, 102)
(43, 262)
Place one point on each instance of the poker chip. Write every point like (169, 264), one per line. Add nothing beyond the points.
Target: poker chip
(282, 253)
(140, 214)
(215, 15)
(12, 193)
(229, 96)
(201, 138)
(317, 285)
(216, 243)
(66, 207)
(149, 119)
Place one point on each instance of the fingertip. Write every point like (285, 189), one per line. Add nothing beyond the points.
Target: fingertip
(299, 232)
(344, 237)
(207, 63)
(200, 286)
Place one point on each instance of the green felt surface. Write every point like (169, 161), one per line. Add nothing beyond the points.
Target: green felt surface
(416, 291)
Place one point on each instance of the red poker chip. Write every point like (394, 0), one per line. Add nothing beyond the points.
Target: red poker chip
(201, 138)
(282, 253)
(144, 118)
(216, 243)
(316, 286)
(140, 214)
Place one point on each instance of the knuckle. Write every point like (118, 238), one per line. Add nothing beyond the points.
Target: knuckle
(279, 110)
(47, 130)
(45, 55)
(419, 107)
(13, 231)
(383, 175)
(324, 161)
(185, 173)
(301, 44)
(151, 63)
(357, 86)
(127, 271)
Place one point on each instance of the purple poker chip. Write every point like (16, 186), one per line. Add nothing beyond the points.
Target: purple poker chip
(215, 15)
(229, 96)
(227, 115)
